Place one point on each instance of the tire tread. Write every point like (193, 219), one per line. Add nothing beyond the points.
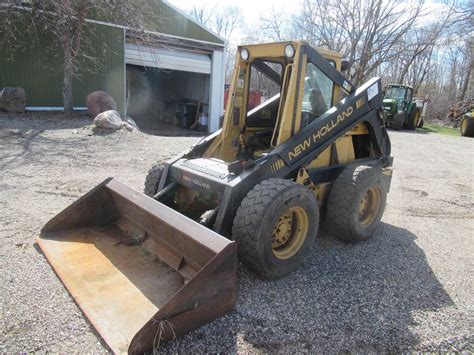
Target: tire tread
(153, 179)
(248, 218)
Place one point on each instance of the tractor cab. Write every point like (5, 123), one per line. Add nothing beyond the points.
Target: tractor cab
(396, 97)
(399, 108)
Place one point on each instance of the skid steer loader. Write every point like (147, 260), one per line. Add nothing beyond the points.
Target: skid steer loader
(146, 268)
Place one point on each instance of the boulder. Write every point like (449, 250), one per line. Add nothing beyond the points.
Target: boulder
(128, 126)
(98, 102)
(12, 100)
(130, 121)
(109, 120)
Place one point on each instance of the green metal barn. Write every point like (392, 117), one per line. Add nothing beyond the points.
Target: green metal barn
(179, 70)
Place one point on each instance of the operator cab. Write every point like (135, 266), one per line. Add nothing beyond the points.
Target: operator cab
(276, 90)
(267, 79)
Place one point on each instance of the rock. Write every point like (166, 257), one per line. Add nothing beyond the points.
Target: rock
(98, 102)
(109, 120)
(128, 126)
(130, 121)
(12, 100)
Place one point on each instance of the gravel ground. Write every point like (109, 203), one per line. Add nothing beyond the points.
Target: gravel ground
(409, 288)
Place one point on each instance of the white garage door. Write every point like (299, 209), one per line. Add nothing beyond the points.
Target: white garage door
(167, 58)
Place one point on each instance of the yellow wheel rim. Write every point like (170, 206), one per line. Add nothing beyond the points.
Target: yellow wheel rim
(289, 232)
(463, 125)
(417, 118)
(369, 206)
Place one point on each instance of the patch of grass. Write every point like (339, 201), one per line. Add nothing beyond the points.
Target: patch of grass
(434, 128)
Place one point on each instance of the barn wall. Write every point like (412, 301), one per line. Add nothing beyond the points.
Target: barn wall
(37, 66)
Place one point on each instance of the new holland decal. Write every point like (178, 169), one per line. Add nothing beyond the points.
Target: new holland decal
(320, 133)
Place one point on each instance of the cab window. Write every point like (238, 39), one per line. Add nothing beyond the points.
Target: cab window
(395, 92)
(263, 93)
(317, 97)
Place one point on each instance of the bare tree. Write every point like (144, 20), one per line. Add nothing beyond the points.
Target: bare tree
(66, 21)
(275, 26)
(365, 31)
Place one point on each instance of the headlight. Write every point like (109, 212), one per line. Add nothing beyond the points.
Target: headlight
(289, 51)
(244, 54)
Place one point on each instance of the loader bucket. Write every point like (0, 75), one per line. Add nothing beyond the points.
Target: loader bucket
(141, 272)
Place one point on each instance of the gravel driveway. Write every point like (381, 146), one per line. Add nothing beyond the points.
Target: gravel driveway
(409, 288)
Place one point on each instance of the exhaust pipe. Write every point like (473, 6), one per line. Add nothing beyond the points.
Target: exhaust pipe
(142, 273)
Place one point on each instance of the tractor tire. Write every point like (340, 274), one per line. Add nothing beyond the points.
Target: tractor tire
(412, 119)
(275, 227)
(153, 179)
(356, 203)
(398, 121)
(467, 126)
(420, 125)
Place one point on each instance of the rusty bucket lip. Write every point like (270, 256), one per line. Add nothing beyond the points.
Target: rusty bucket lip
(214, 242)
(215, 247)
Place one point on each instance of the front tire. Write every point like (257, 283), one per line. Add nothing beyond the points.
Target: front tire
(356, 203)
(275, 227)
(152, 179)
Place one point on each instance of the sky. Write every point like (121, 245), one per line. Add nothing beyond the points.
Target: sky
(253, 10)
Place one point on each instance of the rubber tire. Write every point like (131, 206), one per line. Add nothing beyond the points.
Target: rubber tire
(398, 121)
(469, 131)
(420, 125)
(411, 125)
(153, 179)
(342, 218)
(256, 217)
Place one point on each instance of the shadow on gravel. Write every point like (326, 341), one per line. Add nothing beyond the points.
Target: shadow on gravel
(49, 120)
(19, 146)
(360, 297)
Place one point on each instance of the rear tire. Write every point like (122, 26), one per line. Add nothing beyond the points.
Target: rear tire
(152, 179)
(275, 227)
(420, 125)
(356, 203)
(413, 119)
(467, 126)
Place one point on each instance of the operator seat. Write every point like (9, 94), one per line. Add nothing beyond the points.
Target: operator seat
(316, 99)
(318, 107)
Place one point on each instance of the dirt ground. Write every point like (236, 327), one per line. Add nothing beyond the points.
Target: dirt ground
(409, 288)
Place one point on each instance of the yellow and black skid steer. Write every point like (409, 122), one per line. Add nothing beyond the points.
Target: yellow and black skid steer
(146, 268)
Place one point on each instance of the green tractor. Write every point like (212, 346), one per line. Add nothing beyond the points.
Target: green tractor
(400, 109)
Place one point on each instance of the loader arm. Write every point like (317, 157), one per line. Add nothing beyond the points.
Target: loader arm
(363, 105)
